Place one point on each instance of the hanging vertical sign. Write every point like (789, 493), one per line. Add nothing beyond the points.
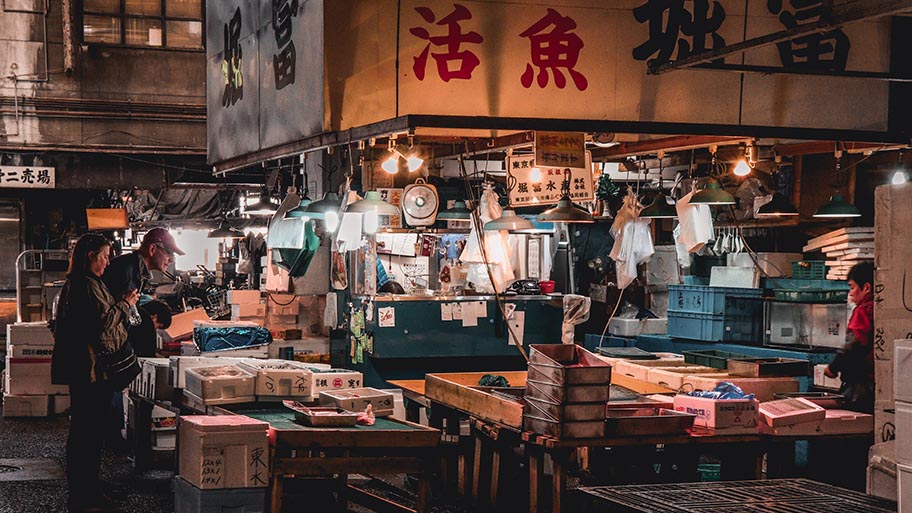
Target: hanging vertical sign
(529, 184)
(560, 149)
(25, 177)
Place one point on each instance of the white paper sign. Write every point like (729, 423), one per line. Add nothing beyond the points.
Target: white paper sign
(446, 311)
(468, 321)
(544, 186)
(457, 311)
(387, 317)
(25, 177)
(509, 308)
(516, 326)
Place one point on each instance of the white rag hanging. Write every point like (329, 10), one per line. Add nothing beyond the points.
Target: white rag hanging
(496, 247)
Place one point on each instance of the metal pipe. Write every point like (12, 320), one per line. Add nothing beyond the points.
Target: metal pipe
(69, 49)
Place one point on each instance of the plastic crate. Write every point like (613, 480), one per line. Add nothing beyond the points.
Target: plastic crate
(712, 358)
(709, 472)
(708, 300)
(745, 328)
(811, 295)
(696, 280)
(809, 270)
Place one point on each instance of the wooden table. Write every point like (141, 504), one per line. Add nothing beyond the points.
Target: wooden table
(388, 447)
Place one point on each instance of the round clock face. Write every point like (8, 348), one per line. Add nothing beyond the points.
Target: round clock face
(420, 203)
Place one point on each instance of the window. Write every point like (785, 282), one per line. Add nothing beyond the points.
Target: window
(150, 23)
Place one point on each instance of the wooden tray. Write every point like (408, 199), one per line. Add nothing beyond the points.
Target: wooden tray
(769, 367)
(647, 421)
(459, 390)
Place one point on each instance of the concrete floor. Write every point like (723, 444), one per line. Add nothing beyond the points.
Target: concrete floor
(41, 443)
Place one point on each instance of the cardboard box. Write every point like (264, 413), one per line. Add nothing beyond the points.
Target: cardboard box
(248, 310)
(903, 422)
(221, 385)
(821, 380)
(902, 371)
(324, 379)
(237, 297)
(882, 471)
(29, 333)
(30, 376)
(317, 345)
(884, 379)
(29, 351)
(884, 418)
(795, 410)
(283, 304)
(358, 399)
(836, 422)
(733, 415)
(25, 405)
(182, 323)
(279, 378)
(223, 451)
(903, 487)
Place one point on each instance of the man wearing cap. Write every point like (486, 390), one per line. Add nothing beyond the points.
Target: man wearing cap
(131, 271)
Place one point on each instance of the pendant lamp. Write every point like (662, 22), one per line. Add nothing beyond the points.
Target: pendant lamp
(373, 203)
(660, 209)
(225, 231)
(778, 206)
(712, 194)
(566, 212)
(262, 206)
(330, 203)
(509, 221)
(459, 212)
(300, 211)
(837, 207)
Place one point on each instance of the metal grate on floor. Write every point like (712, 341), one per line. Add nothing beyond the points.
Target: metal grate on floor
(766, 496)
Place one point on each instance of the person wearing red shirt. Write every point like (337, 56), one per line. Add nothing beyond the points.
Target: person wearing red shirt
(854, 362)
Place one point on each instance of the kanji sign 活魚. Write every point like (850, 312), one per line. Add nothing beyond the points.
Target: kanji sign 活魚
(544, 185)
(27, 177)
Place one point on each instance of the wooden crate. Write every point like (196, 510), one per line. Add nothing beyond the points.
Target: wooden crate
(460, 391)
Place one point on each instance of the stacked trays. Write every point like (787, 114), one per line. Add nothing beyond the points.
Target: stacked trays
(715, 314)
(566, 392)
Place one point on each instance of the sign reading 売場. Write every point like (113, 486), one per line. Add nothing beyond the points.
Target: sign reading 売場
(26, 177)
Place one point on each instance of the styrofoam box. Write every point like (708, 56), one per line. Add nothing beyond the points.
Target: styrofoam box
(31, 376)
(155, 380)
(771, 264)
(190, 499)
(323, 379)
(821, 379)
(282, 378)
(237, 297)
(882, 470)
(794, 410)
(634, 327)
(31, 333)
(903, 424)
(223, 451)
(902, 372)
(731, 414)
(248, 310)
(25, 405)
(164, 440)
(178, 365)
(904, 487)
(221, 385)
(808, 324)
(260, 351)
(357, 400)
(60, 404)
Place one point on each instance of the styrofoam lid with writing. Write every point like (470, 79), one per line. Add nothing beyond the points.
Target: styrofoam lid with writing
(223, 423)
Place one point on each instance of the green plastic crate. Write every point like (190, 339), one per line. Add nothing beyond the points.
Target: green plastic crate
(712, 358)
(709, 471)
(809, 270)
(811, 295)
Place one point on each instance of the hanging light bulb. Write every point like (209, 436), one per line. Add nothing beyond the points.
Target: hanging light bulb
(747, 161)
(391, 165)
(262, 206)
(837, 206)
(331, 221)
(535, 175)
(742, 168)
(899, 178)
(414, 163)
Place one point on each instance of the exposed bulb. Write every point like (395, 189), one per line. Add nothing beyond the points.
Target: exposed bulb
(535, 175)
(414, 163)
(331, 220)
(371, 222)
(742, 168)
(899, 178)
(391, 165)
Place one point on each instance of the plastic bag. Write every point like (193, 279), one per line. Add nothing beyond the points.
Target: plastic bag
(496, 248)
(724, 390)
(576, 311)
(632, 241)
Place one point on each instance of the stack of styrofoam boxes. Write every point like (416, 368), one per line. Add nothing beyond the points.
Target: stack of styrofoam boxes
(282, 312)
(223, 465)
(892, 247)
(246, 306)
(226, 384)
(902, 388)
(164, 429)
(27, 390)
(154, 382)
(661, 270)
(276, 380)
(323, 379)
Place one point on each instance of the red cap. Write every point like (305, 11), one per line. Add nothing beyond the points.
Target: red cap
(164, 239)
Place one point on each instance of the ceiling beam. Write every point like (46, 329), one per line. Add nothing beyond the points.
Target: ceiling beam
(839, 15)
(818, 147)
(666, 144)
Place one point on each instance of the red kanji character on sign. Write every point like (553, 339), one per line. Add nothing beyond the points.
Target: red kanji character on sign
(554, 50)
(465, 60)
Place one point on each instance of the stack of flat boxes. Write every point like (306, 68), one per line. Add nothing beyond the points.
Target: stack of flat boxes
(28, 391)
(903, 390)
(246, 306)
(223, 465)
(282, 314)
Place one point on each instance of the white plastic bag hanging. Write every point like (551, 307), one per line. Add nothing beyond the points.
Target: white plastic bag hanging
(576, 311)
(496, 248)
(632, 241)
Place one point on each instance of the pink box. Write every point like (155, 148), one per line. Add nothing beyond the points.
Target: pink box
(794, 410)
(737, 415)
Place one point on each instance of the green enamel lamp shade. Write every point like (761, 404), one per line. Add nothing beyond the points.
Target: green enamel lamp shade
(660, 209)
(566, 212)
(331, 202)
(837, 207)
(777, 207)
(262, 206)
(300, 211)
(373, 203)
(509, 221)
(225, 231)
(459, 212)
(712, 194)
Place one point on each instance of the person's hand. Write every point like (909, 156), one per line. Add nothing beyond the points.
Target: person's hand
(828, 373)
(132, 297)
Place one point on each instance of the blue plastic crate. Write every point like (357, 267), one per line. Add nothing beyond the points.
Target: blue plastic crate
(706, 300)
(714, 328)
(190, 499)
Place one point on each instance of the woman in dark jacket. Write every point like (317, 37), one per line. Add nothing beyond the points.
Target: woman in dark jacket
(89, 323)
